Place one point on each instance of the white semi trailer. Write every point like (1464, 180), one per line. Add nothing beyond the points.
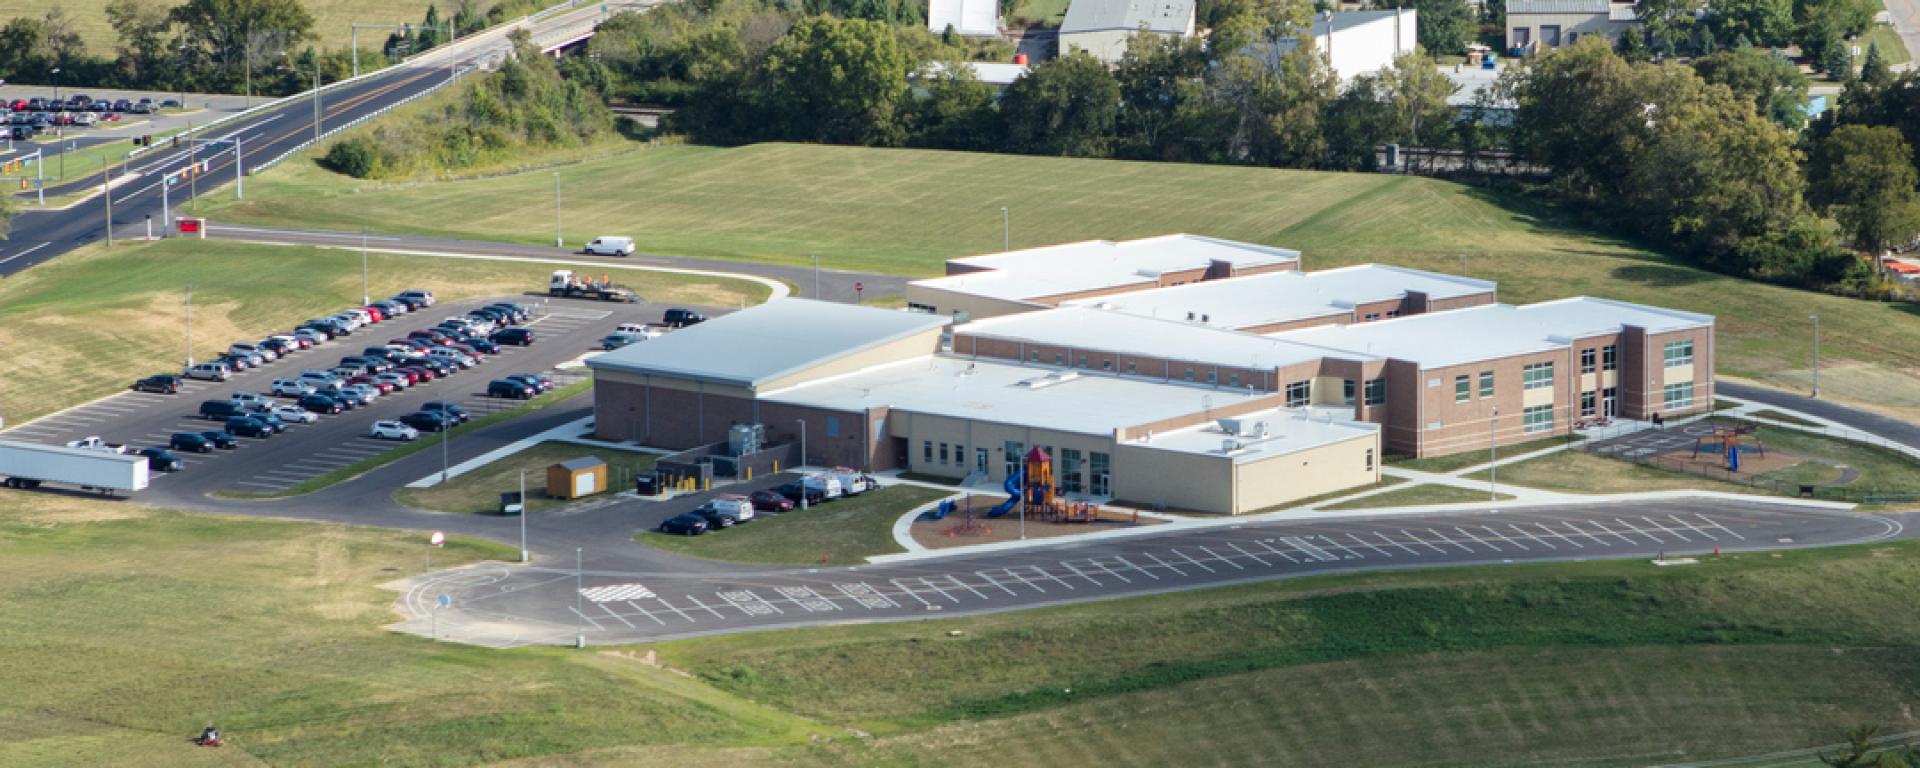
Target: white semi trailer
(27, 465)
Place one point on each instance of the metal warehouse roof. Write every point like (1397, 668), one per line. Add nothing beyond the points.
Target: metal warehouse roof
(1095, 329)
(1093, 265)
(1154, 15)
(1461, 336)
(977, 18)
(1278, 297)
(1558, 6)
(753, 346)
(1081, 402)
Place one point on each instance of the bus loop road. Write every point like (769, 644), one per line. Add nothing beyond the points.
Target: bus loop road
(511, 605)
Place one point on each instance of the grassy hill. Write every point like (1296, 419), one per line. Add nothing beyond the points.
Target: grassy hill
(126, 629)
(330, 18)
(904, 211)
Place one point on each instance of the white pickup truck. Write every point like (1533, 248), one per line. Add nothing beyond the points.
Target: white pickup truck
(95, 443)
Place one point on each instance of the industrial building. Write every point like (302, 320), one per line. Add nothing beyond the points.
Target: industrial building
(1100, 28)
(1180, 372)
(1353, 43)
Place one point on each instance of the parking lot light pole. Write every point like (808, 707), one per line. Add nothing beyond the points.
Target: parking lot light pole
(189, 325)
(579, 606)
(106, 192)
(523, 515)
(1493, 456)
(446, 430)
(366, 293)
(803, 463)
(1006, 231)
(239, 173)
(816, 285)
(557, 241)
(1816, 354)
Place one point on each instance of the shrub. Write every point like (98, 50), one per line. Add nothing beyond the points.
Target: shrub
(358, 157)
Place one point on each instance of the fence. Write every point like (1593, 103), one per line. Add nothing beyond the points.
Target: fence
(1846, 493)
(297, 148)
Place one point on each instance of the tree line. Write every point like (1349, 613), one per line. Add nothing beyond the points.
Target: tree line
(211, 46)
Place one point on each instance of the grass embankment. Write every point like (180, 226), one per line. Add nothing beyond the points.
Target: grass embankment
(1892, 48)
(1420, 495)
(90, 322)
(1455, 462)
(479, 491)
(1881, 470)
(272, 630)
(1581, 472)
(838, 532)
(330, 22)
(1785, 418)
(905, 211)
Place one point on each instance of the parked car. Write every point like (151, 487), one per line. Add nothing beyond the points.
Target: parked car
(458, 414)
(481, 345)
(641, 330)
(796, 491)
(364, 393)
(236, 362)
(162, 460)
(321, 381)
(688, 524)
(266, 417)
(319, 403)
(734, 504)
(252, 350)
(220, 439)
(396, 379)
(439, 368)
(517, 337)
(681, 318)
(292, 387)
(248, 426)
(509, 388)
(452, 356)
(368, 380)
(311, 336)
(420, 371)
(613, 341)
(208, 372)
(715, 518)
(161, 384)
(538, 382)
(191, 442)
(393, 430)
(280, 347)
(250, 400)
(770, 501)
(427, 421)
(220, 410)
(293, 414)
(424, 298)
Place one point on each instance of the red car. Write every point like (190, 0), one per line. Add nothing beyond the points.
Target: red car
(374, 313)
(368, 380)
(18, 105)
(771, 501)
(418, 373)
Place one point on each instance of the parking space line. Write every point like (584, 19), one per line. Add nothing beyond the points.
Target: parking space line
(617, 617)
(1423, 542)
(1282, 553)
(273, 486)
(1503, 537)
(1256, 558)
(588, 619)
(1710, 521)
(1563, 537)
(1216, 556)
(1043, 572)
(1129, 564)
(1609, 532)
(966, 586)
(990, 580)
(1691, 527)
(1080, 573)
(1517, 529)
(909, 592)
(1164, 564)
(1636, 529)
(1669, 531)
(1582, 531)
(1357, 540)
(1342, 547)
(1478, 540)
(1443, 539)
(936, 588)
(676, 609)
(1410, 550)
(1095, 563)
(1190, 559)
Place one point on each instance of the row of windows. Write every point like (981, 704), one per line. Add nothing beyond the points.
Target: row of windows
(1538, 418)
(1537, 376)
(1609, 359)
(1679, 353)
(1678, 395)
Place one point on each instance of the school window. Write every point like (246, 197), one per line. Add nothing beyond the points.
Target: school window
(1678, 395)
(1033, 356)
(1393, 313)
(1106, 365)
(1346, 391)
(1376, 391)
(1537, 376)
(1679, 353)
(1586, 403)
(1371, 316)
(833, 426)
(1083, 361)
(1012, 462)
(943, 453)
(1233, 379)
(1587, 360)
(1486, 383)
(1609, 358)
(1213, 377)
(1369, 459)
(926, 451)
(1189, 374)
(1059, 358)
(1299, 393)
(1462, 388)
(1539, 418)
(1133, 367)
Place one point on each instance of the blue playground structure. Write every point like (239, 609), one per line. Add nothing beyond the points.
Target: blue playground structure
(1012, 486)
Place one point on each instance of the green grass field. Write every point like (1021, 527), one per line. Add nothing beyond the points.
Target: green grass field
(1784, 418)
(90, 322)
(1459, 461)
(905, 211)
(1891, 46)
(330, 18)
(1418, 495)
(126, 629)
(840, 532)
(478, 492)
(1580, 472)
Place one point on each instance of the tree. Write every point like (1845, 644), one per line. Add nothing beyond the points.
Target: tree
(1773, 84)
(1838, 63)
(1874, 71)
(63, 42)
(1863, 175)
(1416, 92)
(1632, 47)
(142, 26)
(1761, 22)
(955, 113)
(1357, 121)
(1858, 753)
(833, 80)
(1161, 86)
(224, 32)
(1446, 26)
(468, 19)
(1493, 13)
(1704, 42)
(1063, 106)
(1668, 22)
(432, 30)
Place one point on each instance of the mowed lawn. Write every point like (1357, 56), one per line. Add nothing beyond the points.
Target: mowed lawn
(478, 492)
(840, 532)
(330, 18)
(905, 211)
(91, 322)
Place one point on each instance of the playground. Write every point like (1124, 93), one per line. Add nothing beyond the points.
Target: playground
(1730, 450)
(1033, 508)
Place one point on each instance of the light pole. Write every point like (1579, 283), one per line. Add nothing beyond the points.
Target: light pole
(239, 173)
(803, 463)
(1463, 265)
(446, 430)
(366, 293)
(316, 98)
(1816, 354)
(56, 82)
(579, 606)
(523, 515)
(1006, 230)
(816, 286)
(557, 241)
(106, 192)
(189, 325)
(1493, 456)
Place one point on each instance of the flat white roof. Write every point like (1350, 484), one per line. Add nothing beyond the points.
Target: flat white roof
(990, 72)
(1279, 297)
(1006, 393)
(1091, 328)
(1093, 265)
(1460, 336)
(1129, 15)
(1288, 430)
(755, 345)
(973, 18)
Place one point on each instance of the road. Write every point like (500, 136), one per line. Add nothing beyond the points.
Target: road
(1905, 433)
(267, 132)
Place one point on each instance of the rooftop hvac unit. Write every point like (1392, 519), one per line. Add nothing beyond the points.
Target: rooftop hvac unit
(1242, 427)
(1229, 445)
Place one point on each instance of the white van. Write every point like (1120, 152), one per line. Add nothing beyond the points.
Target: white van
(209, 372)
(740, 507)
(828, 485)
(852, 482)
(610, 245)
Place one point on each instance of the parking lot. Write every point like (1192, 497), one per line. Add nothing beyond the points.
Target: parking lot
(531, 605)
(566, 331)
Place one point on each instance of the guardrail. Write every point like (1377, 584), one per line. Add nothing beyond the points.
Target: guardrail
(297, 148)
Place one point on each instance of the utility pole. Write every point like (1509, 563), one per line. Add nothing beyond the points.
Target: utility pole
(1006, 231)
(193, 176)
(366, 293)
(1493, 456)
(106, 191)
(239, 174)
(579, 607)
(1816, 354)
(316, 98)
(189, 325)
(803, 463)
(816, 278)
(557, 241)
(446, 432)
(523, 515)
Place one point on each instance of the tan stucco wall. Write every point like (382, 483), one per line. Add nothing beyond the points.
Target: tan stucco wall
(1312, 472)
(1188, 481)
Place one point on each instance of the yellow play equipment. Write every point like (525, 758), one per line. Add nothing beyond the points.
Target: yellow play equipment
(1041, 497)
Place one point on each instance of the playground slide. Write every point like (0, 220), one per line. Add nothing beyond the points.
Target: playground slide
(1013, 494)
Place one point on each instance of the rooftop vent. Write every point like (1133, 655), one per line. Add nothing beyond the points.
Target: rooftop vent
(1243, 427)
(1051, 379)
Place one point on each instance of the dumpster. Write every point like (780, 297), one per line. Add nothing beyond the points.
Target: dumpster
(647, 484)
(511, 504)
